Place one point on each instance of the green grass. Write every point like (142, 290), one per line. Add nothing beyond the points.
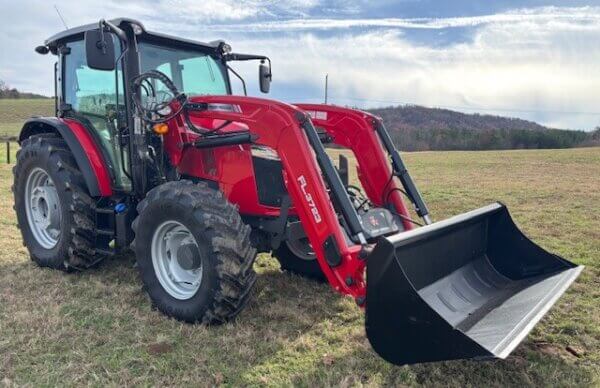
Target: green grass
(14, 112)
(97, 327)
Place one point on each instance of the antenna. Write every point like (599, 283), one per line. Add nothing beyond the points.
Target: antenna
(326, 86)
(61, 18)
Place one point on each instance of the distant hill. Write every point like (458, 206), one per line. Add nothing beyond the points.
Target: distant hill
(413, 128)
(7, 92)
(417, 128)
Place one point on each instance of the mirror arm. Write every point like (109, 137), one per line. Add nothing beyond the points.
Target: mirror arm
(120, 33)
(243, 57)
(239, 77)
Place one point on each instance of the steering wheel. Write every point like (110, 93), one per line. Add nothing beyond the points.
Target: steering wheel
(152, 111)
(155, 112)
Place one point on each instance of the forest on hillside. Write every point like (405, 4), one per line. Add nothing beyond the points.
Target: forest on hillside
(417, 128)
(8, 92)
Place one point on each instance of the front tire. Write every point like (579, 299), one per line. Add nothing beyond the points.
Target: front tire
(54, 210)
(193, 252)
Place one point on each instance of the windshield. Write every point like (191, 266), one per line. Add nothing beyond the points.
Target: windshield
(193, 72)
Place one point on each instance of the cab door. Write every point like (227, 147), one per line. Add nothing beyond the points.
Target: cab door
(96, 99)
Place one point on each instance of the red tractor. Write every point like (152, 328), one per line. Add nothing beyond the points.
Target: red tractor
(150, 150)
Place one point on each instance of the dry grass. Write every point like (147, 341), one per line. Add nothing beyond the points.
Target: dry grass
(97, 327)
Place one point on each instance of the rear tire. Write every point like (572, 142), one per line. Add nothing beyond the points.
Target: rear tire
(297, 257)
(46, 176)
(193, 252)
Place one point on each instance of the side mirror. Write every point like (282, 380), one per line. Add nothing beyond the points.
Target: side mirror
(99, 50)
(264, 77)
(42, 50)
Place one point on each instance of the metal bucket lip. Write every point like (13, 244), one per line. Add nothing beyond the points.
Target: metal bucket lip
(503, 349)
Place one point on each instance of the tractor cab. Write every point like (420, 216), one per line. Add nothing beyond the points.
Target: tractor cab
(95, 62)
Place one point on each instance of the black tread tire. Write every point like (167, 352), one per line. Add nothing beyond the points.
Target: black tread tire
(224, 240)
(290, 262)
(75, 248)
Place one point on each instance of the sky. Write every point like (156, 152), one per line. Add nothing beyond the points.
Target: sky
(537, 60)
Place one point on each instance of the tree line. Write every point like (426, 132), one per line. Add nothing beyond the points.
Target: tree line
(417, 128)
(7, 92)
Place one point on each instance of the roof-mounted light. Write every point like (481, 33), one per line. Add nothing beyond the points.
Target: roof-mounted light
(224, 48)
(137, 29)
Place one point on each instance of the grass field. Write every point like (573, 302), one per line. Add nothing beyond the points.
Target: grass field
(14, 112)
(97, 327)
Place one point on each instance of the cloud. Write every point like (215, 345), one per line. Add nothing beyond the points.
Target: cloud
(538, 68)
(207, 11)
(538, 64)
(581, 17)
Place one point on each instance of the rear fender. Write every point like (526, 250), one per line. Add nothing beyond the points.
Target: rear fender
(85, 151)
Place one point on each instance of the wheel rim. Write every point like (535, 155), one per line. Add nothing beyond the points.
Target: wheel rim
(42, 207)
(302, 249)
(167, 257)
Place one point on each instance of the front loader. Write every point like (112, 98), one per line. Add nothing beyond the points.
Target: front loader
(150, 150)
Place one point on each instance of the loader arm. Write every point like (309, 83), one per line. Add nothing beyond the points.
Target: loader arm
(308, 174)
(357, 131)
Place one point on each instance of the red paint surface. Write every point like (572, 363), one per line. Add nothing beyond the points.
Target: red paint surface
(94, 156)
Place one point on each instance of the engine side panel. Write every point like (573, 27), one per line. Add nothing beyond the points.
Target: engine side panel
(233, 168)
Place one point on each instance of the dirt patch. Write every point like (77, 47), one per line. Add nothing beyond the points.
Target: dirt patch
(160, 348)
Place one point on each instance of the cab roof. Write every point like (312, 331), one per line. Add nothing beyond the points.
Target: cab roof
(77, 32)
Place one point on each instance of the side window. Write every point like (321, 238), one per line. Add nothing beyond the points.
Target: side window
(93, 97)
(88, 90)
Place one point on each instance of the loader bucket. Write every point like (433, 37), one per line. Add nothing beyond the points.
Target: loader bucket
(471, 286)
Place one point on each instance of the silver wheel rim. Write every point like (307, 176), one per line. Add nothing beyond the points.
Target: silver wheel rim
(42, 207)
(178, 282)
(302, 249)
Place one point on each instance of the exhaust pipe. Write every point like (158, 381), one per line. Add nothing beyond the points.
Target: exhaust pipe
(469, 287)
